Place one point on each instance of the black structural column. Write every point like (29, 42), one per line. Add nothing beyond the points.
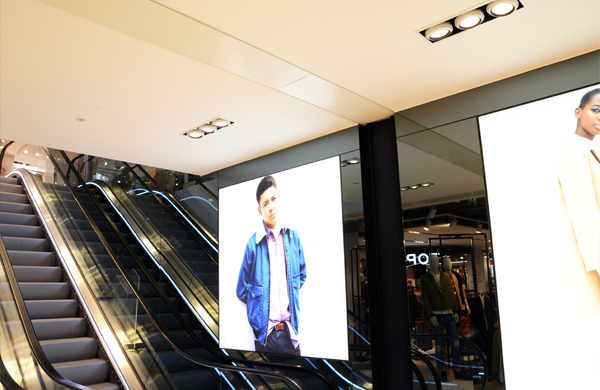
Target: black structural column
(388, 302)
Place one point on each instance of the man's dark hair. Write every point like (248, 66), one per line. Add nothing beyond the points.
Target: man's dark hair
(266, 183)
(588, 96)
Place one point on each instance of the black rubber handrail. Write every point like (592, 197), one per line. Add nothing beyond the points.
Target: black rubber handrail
(214, 240)
(419, 375)
(434, 372)
(32, 339)
(156, 322)
(6, 380)
(474, 346)
(72, 163)
(4, 151)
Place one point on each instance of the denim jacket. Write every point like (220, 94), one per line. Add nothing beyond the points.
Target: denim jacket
(253, 286)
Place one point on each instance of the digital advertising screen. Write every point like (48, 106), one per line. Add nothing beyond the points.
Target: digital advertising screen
(542, 175)
(281, 263)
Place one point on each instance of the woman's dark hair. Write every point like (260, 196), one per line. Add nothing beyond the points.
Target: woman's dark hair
(588, 96)
(266, 183)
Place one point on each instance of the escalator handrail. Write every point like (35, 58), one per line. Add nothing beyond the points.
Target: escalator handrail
(72, 163)
(434, 372)
(32, 339)
(6, 379)
(172, 198)
(474, 346)
(354, 316)
(419, 374)
(104, 188)
(186, 228)
(4, 151)
(152, 316)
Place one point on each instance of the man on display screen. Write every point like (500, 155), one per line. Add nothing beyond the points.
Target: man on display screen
(272, 272)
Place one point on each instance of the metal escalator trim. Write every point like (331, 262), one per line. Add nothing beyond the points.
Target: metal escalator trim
(6, 379)
(97, 318)
(186, 228)
(34, 344)
(196, 223)
(152, 316)
(4, 151)
(185, 292)
(419, 375)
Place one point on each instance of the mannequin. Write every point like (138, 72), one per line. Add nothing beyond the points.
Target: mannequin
(459, 289)
(439, 304)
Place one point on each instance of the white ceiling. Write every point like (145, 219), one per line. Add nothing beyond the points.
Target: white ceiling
(140, 73)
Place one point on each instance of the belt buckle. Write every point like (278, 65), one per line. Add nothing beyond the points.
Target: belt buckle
(280, 326)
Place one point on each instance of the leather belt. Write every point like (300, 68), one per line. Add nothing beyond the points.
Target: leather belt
(442, 312)
(280, 326)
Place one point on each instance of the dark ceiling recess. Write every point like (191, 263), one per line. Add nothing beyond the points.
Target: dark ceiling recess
(466, 212)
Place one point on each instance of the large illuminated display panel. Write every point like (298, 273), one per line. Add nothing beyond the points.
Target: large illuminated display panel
(549, 303)
(310, 204)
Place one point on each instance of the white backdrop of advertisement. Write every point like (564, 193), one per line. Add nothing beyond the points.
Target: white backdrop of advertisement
(281, 263)
(543, 185)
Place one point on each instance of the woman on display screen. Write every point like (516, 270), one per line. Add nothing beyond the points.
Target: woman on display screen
(578, 171)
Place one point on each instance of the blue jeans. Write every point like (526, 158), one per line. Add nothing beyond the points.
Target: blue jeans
(446, 321)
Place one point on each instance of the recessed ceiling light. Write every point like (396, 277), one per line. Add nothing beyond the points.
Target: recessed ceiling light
(469, 20)
(208, 128)
(196, 133)
(25, 151)
(425, 184)
(221, 122)
(353, 160)
(500, 8)
(37, 154)
(403, 188)
(344, 163)
(414, 187)
(438, 32)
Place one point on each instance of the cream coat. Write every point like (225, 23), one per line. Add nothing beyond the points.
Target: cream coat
(579, 181)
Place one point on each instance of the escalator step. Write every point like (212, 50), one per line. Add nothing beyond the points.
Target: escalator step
(18, 219)
(84, 371)
(51, 308)
(24, 231)
(11, 188)
(37, 274)
(64, 350)
(26, 244)
(13, 198)
(17, 208)
(31, 258)
(43, 291)
(59, 328)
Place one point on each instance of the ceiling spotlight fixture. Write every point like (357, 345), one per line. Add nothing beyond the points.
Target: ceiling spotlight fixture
(427, 224)
(438, 32)
(479, 227)
(344, 163)
(432, 211)
(428, 184)
(208, 128)
(403, 188)
(500, 8)
(453, 222)
(25, 151)
(196, 133)
(414, 187)
(469, 20)
(221, 123)
(353, 160)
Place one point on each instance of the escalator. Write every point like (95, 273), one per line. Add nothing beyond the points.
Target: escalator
(63, 332)
(154, 344)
